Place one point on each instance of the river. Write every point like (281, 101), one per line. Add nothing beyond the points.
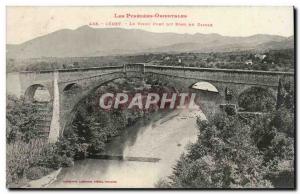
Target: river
(139, 157)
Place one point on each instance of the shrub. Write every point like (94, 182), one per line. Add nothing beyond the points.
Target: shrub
(257, 99)
(36, 159)
(283, 120)
(36, 172)
(21, 118)
(20, 156)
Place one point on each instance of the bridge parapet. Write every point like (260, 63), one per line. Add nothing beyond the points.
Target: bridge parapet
(248, 77)
(71, 75)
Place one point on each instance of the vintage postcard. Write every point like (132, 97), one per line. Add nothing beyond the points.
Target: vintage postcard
(150, 97)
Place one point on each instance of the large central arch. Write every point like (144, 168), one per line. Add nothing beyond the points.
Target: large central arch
(206, 100)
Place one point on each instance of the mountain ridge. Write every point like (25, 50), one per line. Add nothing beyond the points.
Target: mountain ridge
(86, 41)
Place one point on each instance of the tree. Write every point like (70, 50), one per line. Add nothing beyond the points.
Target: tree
(22, 118)
(257, 99)
(280, 94)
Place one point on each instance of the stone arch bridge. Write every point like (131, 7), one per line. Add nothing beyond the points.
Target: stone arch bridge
(87, 80)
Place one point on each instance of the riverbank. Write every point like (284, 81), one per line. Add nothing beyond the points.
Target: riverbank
(43, 182)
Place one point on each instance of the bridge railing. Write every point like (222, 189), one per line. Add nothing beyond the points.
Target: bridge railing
(218, 70)
(268, 78)
(144, 67)
(248, 77)
(74, 69)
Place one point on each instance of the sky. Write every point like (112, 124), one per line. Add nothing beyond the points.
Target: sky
(26, 23)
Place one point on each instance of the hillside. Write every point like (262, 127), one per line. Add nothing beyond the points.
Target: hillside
(86, 42)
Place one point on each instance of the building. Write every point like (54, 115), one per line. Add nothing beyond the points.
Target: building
(249, 62)
(260, 56)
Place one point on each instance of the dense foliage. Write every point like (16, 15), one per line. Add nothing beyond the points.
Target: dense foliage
(21, 118)
(230, 154)
(89, 133)
(256, 99)
(241, 151)
(29, 155)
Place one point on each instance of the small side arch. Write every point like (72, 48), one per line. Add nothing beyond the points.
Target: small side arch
(72, 88)
(37, 93)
